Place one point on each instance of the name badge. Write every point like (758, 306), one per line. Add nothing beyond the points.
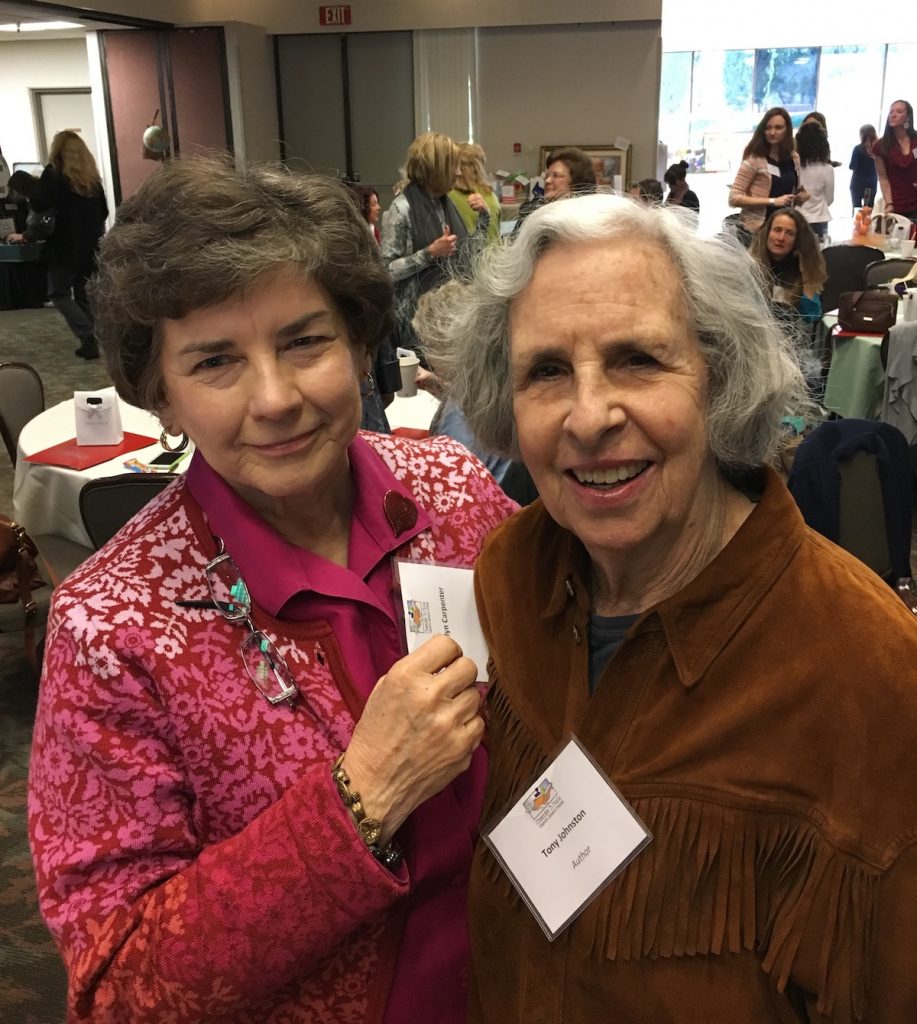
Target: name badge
(568, 836)
(440, 599)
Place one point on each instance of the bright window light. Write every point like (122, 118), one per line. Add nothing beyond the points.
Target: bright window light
(38, 26)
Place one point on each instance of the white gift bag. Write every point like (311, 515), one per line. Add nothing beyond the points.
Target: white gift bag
(98, 417)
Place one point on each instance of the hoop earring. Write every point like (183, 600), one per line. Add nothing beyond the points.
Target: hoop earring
(164, 442)
(367, 385)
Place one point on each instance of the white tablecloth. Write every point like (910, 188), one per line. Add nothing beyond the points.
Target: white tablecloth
(416, 411)
(46, 499)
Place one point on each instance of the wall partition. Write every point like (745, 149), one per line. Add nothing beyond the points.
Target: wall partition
(346, 104)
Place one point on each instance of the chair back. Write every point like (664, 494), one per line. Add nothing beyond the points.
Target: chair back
(852, 482)
(846, 265)
(892, 224)
(883, 271)
(108, 503)
(22, 398)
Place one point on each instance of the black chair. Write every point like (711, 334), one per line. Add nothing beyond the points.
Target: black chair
(106, 504)
(22, 398)
(846, 266)
(883, 271)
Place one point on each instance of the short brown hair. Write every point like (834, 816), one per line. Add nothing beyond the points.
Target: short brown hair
(432, 161)
(582, 173)
(199, 231)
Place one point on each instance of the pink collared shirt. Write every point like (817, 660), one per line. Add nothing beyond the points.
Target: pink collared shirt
(360, 604)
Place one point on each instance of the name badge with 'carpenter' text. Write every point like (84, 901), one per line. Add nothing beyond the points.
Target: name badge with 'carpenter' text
(567, 837)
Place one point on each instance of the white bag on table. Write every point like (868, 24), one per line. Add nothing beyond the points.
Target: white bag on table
(98, 417)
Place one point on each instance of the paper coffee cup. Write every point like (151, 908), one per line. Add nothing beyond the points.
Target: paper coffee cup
(408, 366)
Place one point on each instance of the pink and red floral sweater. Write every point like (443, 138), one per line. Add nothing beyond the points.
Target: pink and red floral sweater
(194, 860)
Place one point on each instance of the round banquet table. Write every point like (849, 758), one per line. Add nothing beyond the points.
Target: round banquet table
(46, 499)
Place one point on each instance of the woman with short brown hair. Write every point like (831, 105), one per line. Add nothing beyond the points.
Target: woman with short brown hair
(246, 802)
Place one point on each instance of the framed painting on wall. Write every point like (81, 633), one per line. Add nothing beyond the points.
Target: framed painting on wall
(611, 165)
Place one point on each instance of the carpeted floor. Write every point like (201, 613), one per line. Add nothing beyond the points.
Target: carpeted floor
(32, 979)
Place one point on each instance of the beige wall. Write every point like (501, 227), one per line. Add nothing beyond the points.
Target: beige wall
(569, 84)
(34, 64)
(380, 15)
(283, 16)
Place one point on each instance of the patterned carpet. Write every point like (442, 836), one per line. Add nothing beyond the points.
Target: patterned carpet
(32, 979)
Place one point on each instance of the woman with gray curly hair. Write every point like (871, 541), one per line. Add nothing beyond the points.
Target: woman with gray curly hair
(246, 802)
(665, 603)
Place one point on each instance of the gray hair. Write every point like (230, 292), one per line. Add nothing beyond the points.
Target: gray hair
(754, 377)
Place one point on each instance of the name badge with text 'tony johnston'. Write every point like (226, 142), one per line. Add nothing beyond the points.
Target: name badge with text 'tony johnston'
(566, 838)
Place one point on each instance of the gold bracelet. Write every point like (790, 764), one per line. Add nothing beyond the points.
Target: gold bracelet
(368, 829)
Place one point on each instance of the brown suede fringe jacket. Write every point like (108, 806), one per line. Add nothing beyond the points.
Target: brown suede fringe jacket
(763, 723)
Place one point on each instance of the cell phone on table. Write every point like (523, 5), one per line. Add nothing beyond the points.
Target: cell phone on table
(167, 460)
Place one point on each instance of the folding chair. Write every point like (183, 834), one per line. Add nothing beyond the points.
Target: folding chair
(883, 271)
(107, 503)
(22, 398)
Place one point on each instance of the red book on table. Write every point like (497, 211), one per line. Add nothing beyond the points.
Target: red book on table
(70, 455)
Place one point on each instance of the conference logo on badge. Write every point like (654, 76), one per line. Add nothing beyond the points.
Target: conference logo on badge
(543, 802)
(419, 616)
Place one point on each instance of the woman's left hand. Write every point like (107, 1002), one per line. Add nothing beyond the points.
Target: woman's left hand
(476, 202)
(419, 729)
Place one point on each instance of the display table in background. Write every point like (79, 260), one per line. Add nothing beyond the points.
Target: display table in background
(23, 279)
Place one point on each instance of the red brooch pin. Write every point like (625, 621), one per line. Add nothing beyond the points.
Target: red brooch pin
(399, 511)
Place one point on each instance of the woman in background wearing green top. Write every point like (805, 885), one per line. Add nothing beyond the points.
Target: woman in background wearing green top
(470, 178)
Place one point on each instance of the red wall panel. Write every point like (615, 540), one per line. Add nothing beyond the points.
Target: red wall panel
(150, 70)
(197, 77)
(132, 68)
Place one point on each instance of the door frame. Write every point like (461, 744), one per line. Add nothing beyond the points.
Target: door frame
(38, 119)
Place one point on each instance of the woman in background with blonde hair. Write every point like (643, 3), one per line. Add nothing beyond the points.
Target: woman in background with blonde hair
(72, 187)
(424, 239)
(471, 178)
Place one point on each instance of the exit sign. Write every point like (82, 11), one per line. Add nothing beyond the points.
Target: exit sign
(334, 15)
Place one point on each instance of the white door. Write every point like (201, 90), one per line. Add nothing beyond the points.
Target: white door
(57, 110)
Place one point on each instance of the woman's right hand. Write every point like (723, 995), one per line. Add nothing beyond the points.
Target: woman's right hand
(419, 729)
(782, 201)
(444, 245)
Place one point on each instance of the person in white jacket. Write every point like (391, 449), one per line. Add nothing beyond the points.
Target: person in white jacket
(816, 176)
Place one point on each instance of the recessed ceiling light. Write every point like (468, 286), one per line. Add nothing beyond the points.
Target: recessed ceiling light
(38, 26)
